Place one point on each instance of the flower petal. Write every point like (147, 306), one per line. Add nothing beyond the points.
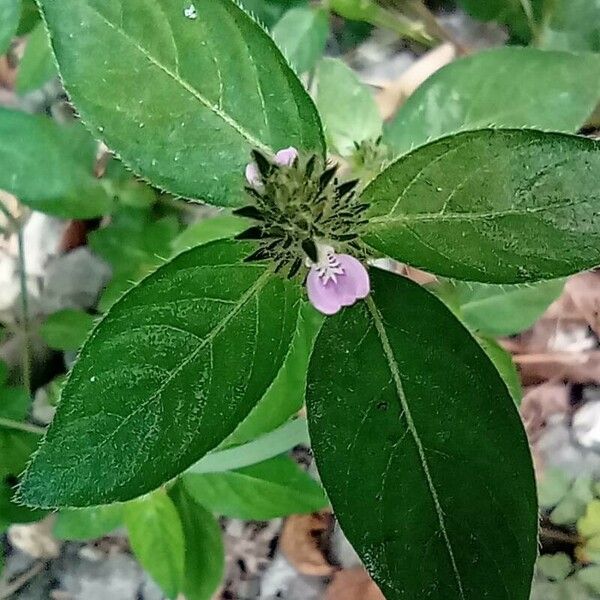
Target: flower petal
(286, 157)
(322, 296)
(357, 273)
(253, 175)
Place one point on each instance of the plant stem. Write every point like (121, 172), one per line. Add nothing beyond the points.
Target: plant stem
(266, 446)
(17, 426)
(26, 354)
(17, 583)
(428, 20)
(528, 10)
(559, 536)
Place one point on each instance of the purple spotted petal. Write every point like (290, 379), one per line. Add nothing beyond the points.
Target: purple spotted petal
(253, 175)
(330, 297)
(286, 157)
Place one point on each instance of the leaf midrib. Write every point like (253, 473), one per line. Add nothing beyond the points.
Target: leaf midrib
(250, 292)
(389, 218)
(389, 354)
(228, 119)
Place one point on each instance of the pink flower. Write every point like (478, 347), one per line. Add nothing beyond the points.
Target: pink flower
(337, 280)
(283, 158)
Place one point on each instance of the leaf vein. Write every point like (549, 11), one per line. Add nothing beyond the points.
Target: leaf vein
(389, 354)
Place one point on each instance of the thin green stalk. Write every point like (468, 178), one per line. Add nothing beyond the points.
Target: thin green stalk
(17, 426)
(26, 349)
(263, 448)
(528, 10)
(431, 27)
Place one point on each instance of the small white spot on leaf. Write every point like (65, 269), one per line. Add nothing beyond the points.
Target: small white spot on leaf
(190, 12)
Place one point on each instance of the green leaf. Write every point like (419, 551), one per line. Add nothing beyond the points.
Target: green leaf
(589, 524)
(555, 566)
(285, 397)
(512, 13)
(505, 365)
(200, 70)
(347, 108)
(267, 490)
(501, 310)
(421, 449)
(11, 513)
(166, 376)
(37, 65)
(204, 551)
(148, 245)
(67, 329)
(571, 589)
(88, 523)
(10, 12)
(568, 511)
(553, 487)
(156, 537)
(505, 87)
(14, 403)
(270, 11)
(358, 10)
(302, 34)
(30, 17)
(3, 373)
(15, 450)
(496, 206)
(571, 25)
(49, 167)
(574, 505)
(217, 228)
(590, 576)
(591, 549)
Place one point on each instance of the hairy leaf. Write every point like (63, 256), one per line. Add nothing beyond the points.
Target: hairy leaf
(433, 458)
(219, 88)
(166, 376)
(505, 87)
(496, 206)
(285, 397)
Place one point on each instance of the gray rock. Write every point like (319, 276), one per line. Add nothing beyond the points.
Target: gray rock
(558, 448)
(41, 236)
(74, 280)
(586, 425)
(282, 582)
(116, 576)
(342, 553)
